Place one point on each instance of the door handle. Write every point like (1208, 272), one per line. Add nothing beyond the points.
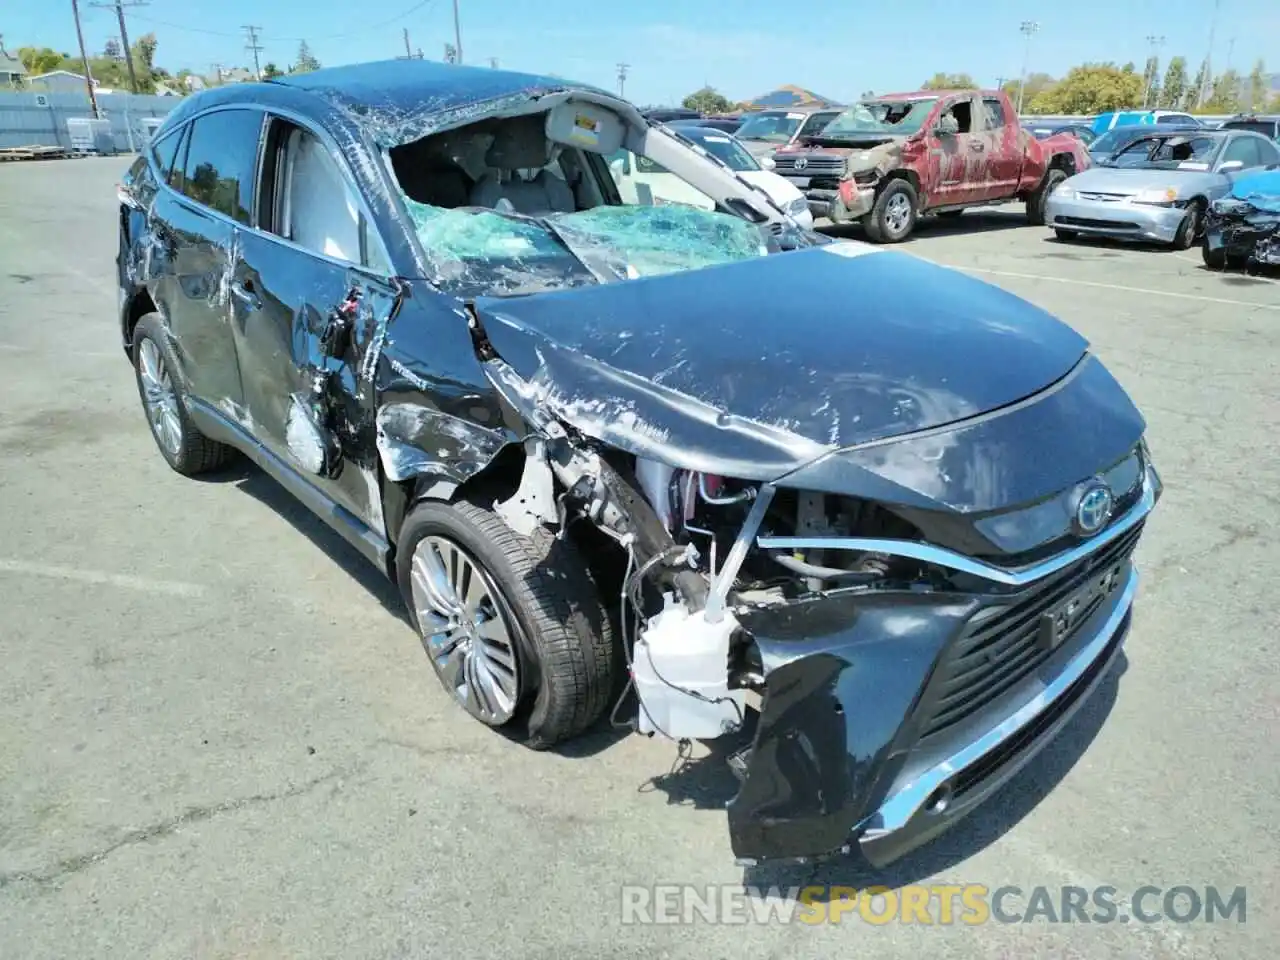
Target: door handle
(975, 145)
(242, 290)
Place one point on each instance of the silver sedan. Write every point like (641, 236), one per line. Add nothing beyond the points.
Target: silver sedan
(1158, 187)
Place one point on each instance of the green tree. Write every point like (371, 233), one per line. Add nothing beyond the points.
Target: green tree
(111, 49)
(1151, 81)
(39, 60)
(1226, 94)
(270, 70)
(306, 62)
(707, 100)
(949, 81)
(1174, 87)
(1192, 97)
(1257, 86)
(1036, 84)
(1091, 88)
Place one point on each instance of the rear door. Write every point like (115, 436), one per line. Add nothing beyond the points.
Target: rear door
(314, 295)
(197, 228)
(998, 161)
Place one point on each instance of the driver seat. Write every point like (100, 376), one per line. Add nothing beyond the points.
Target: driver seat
(521, 145)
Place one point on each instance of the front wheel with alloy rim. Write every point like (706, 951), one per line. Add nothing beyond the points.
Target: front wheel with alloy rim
(893, 217)
(183, 447)
(512, 625)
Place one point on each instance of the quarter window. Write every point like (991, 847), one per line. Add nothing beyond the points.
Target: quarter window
(164, 150)
(222, 159)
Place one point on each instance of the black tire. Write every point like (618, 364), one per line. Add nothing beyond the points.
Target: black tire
(563, 639)
(1189, 228)
(192, 453)
(1036, 202)
(1066, 235)
(878, 227)
(1214, 259)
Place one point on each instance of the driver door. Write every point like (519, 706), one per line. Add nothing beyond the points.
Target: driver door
(957, 161)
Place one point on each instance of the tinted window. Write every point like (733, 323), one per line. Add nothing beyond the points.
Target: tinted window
(994, 111)
(222, 159)
(1270, 155)
(815, 123)
(1244, 149)
(1265, 127)
(164, 150)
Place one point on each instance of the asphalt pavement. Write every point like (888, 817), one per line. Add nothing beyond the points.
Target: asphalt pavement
(220, 738)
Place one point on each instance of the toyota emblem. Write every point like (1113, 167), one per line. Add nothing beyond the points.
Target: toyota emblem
(801, 163)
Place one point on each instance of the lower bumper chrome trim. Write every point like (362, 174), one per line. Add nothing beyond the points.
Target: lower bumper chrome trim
(906, 804)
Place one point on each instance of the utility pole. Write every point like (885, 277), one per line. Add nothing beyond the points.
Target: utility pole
(88, 74)
(457, 32)
(217, 74)
(118, 6)
(493, 62)
(1154, 61)
(408, 52)
(1028, 30)
(622, 77)
(254, 46)
(1206, 77)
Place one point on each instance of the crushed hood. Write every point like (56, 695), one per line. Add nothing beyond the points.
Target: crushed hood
(1262, 190)
(758, 367)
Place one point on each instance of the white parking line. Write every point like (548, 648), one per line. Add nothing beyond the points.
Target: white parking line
(143, 584)
(1122, 287)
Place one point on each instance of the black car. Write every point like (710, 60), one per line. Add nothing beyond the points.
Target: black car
(1267, 125)
(667, 114)
(1081, 131)
(1242, 229)
(598, 447)
(723, 124)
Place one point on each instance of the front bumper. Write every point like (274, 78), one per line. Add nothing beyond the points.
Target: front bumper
(827, 201)
(1246, 238)
(1120, 219)
(871, 731)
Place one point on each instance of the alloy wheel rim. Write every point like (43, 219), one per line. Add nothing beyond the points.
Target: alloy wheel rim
(159, 398)
(465, 630)
(897, 213)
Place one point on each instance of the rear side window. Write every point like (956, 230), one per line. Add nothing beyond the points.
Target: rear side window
(993, 110)
(221, 162)
(1243, 149)
(164, 150)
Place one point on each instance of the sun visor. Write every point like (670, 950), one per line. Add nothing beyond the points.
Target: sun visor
(585, 125)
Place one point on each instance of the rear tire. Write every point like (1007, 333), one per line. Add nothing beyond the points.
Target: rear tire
(893, 217)
(565, 666)
(1036, 202)
(184, 448)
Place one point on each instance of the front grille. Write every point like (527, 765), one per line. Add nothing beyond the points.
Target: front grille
(1104, 224)
(1000, 646)
(811, 164)
(824, 183)
(1104, 197)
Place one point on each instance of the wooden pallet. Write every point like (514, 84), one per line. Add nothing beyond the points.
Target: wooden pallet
(33, 153)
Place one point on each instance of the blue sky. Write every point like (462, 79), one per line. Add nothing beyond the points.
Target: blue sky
(675, 46)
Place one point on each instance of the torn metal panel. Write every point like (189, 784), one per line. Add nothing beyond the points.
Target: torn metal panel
(717, 370)
(414, 440)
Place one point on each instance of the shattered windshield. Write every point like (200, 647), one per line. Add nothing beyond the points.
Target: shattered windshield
(771, 127)
(476, 251)
(1172, 152)
(893, 117)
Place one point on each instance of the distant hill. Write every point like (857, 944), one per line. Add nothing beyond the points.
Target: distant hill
(789, 96)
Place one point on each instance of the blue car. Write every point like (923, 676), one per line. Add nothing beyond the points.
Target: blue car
(1243, 228)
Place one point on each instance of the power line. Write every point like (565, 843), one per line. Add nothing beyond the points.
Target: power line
(256, 47)
(118, 6)
(361, 29)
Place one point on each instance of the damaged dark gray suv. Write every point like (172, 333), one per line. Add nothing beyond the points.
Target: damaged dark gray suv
(603, 449)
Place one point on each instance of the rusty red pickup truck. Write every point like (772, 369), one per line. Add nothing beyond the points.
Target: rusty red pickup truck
(886, 161)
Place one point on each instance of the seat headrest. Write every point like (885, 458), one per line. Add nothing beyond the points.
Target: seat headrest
(520, 144)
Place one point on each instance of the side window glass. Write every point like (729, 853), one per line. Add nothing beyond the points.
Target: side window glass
(1243, 149)
(315, 204)
(962, 110)
(163, 151)
(993, 110)
(646, 183)
(221, 162)
(1270, 154)
(175, 175)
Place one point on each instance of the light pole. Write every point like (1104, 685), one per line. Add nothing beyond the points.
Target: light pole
(1154, 63)
(1206, 78)
(1028, 30)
